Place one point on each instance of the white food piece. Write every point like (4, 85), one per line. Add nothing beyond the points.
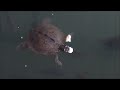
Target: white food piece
(70, 50)
(68, 38)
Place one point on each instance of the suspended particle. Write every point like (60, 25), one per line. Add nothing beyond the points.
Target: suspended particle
(52, 14)
(25, 65)
(21, 37)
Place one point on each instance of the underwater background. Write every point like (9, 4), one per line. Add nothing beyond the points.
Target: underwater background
(90, 28)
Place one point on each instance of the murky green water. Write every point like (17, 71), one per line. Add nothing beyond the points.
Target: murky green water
(89, 28)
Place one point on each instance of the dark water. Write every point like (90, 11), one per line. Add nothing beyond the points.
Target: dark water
(90, 29)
